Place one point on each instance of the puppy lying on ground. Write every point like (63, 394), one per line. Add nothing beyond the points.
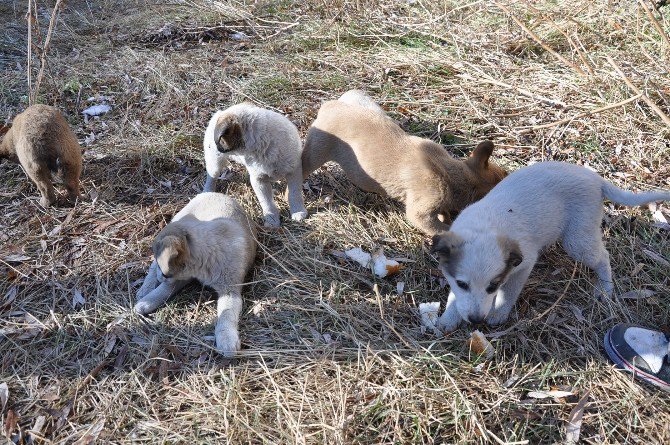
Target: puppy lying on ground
(494, 243)
(41, 140)
(377, 156)
(267, 144)
(210, 240)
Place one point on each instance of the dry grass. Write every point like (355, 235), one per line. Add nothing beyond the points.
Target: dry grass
(324, 359)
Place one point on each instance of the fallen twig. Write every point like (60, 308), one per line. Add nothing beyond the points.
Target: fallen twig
(539, 41)
(582, 114)
(45, 49)
(664, 117)
(655, 22)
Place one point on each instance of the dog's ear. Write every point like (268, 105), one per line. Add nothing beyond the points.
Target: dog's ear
(182, 250)
(511, 252)
(479, 157)
(228, 134)
(173, 249)
(445, 244)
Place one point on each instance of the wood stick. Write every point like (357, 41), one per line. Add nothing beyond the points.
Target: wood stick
(523, 92)
(585, 113)
(664, 117)
(43, 58)
(565, 34)
(539, 41)
(29, 19)
(655, 22)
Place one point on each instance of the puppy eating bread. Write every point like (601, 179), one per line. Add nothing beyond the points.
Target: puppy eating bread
(493, 244)
(267, 144)
(42, 141)
(378, 156)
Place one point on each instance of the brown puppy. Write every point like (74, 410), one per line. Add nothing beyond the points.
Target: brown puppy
(41, 140)
(378, 156)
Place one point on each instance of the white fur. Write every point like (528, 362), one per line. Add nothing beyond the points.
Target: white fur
(272, 152)
(535, 206)
(222, 247)
(360, 98)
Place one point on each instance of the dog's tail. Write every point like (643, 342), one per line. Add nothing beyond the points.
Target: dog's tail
(625, 197)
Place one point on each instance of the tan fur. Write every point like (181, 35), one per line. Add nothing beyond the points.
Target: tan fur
(378, 156)
(211, 240)
(41, 140)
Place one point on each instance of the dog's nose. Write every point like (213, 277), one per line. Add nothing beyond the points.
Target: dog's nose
(166, 276)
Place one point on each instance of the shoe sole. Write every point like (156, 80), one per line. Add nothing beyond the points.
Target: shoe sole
(622, 363)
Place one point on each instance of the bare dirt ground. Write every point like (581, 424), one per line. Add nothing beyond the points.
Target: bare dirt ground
(325, 358)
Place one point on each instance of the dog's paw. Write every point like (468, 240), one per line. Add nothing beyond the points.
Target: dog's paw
(47, 202)
(299, 216)
(604, 290)
(145, 306)
(272, 221)
(496, 318)
(227, 341)
(449, 321)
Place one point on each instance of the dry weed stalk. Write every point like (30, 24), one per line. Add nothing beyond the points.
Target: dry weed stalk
(539, 40)
(664, 117)
(33, 92)
(654, 21)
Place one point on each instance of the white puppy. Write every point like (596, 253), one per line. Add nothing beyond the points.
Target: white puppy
(493, 244)
(267, 144)
(210, 240)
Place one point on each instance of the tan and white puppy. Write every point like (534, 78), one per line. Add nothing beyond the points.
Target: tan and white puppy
(211, 240)
(493, 244)
(378, 156)
(41, 140)
(267, 144)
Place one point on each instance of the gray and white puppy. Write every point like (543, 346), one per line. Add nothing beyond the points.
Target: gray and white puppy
(492, 246)
(211, 240)
(267, 144)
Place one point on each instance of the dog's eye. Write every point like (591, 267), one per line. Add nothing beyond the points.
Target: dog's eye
(462, 284)
(493, 286)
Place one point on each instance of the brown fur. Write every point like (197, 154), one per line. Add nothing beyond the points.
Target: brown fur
(171, 248)
(228, 126)
(378, 156)
(41, 140)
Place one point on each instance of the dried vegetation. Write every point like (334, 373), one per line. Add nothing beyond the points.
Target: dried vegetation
(326, 358)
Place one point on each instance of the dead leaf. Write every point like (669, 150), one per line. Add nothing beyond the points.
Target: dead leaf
(56, 230)
(4, 395)
(92, 433)
(121, 357)
(656, 257)
(577, 313)
(11, 421)
(109, 344)
(10, 296)
(574, 425)
(638, 294)
(16, 258)
(37, 427)
(400, 287)
(33, 328)
(637, 270)
(77, 298)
